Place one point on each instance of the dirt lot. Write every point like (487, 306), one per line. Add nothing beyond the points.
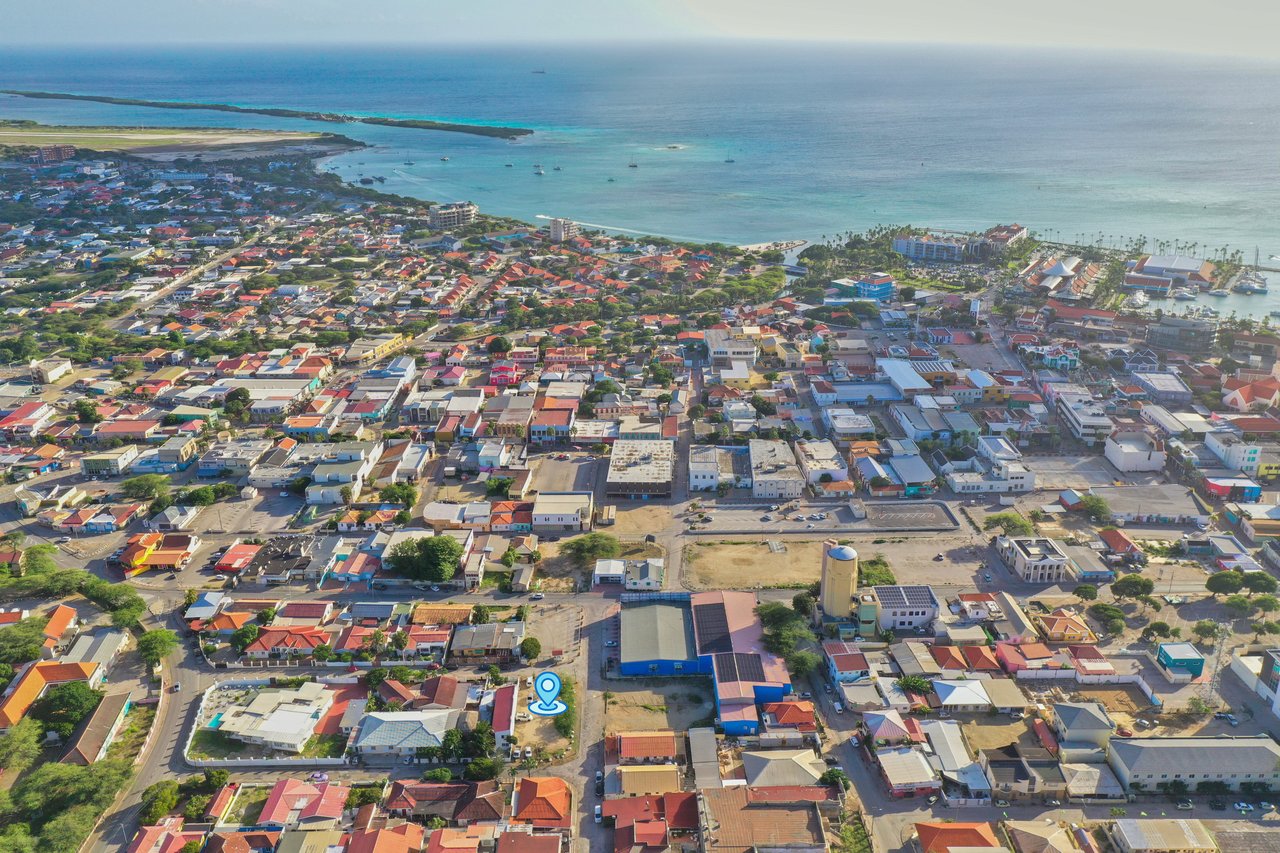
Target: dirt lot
(641, 520)
(1122, 699)
(650, 704)
(723, 565)
(560, 574)
(988, 732)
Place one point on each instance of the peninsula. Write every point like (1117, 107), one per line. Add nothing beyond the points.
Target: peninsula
(310, 115)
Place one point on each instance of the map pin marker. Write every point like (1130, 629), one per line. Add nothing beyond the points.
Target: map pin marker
(547, 686)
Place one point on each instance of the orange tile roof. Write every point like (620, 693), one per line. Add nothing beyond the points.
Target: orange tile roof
(33, 682)
(60, 620)
(542, 798)
(941, 837)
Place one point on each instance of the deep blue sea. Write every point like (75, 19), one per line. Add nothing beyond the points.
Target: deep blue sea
(825, 138)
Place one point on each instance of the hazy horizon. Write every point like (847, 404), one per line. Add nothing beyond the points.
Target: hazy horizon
(1246, 29)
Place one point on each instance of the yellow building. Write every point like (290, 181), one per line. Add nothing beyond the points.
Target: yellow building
(640, 780)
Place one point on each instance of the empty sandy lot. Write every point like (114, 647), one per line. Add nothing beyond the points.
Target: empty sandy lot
(640, 520)
(675, 704)
(988, 732)
(726, 565)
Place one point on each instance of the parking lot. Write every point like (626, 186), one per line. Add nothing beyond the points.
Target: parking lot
(268, 513)
(577, 473)
(908, 516)
(1074, 472)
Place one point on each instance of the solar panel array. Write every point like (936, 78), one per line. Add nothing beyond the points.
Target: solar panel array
(905, 596)
(711, 628)
(739, 667)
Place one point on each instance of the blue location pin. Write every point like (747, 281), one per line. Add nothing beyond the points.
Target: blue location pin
(547, 686)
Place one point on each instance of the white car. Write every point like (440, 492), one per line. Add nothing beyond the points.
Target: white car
(1243, 807)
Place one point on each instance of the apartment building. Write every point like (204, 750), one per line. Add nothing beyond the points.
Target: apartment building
(774, 472)
(454, 215)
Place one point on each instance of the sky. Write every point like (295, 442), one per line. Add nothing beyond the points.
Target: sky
(1243, 28)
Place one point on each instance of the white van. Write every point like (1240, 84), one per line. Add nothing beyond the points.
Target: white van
(839, 708)
(599, 815)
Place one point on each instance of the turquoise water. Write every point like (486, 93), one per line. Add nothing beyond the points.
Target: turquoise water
(825, 139)
(216, 722)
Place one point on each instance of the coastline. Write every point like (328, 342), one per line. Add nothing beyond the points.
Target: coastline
(493, 131)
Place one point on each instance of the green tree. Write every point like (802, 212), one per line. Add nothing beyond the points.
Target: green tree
(585, 550)
(913, 684)
(1240, 605)
(157, 801)
(451, 744)
(1206, 629)
(1085, 592)
(404, 494)
(323, 653)
(1010, 522)
(801, 662)
(1259, 582)
(86, 411)
(1224, 583)
(1267, 603)
(481, 615)
(216, 779)
(22, 641)
(438, 774)
(244, 635)
(1132, 586)
(802, 603)
(20, 747)
(530, 648)
(499, 345)
(145, 487)
(154, 646)
(1095, 508)
(484, 769)
(837, 777)
(1157, 629)
(432, 558)
(64, 706)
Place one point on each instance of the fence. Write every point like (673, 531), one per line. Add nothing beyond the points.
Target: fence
(244, 763)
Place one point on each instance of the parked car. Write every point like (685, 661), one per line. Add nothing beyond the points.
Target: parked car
(609, 644)
(831, 761)
(987, 577)
(599, 775)
(1002, 804)
(528, 752)
(1122, 731)
(1217, 805)
(1242, 806)
(1185, 805)
(599, 814)
(379, 586)
(938, 558)
(537, 596)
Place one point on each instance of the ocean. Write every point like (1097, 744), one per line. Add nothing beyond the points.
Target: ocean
(825, 139)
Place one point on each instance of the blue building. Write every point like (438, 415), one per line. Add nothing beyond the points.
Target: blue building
(876, 286)
(1180, 661)
(707, 633)
(657, 639)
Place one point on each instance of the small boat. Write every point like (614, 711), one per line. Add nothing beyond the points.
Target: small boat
(1275, 313)
(509, 165)
(633, 165)
(1219, 291)
(1183, 295)
(408, 162)
(557, 169)
(611, 180)
(537, 165)
(366, 181)
(538, 172)
(444, 159)
(731, 160)
(673, 147)
(538, 71)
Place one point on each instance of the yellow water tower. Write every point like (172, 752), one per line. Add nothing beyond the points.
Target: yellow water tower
(839, 579)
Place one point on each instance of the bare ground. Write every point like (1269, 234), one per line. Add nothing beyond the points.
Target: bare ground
(729, 565)
(676, 704)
